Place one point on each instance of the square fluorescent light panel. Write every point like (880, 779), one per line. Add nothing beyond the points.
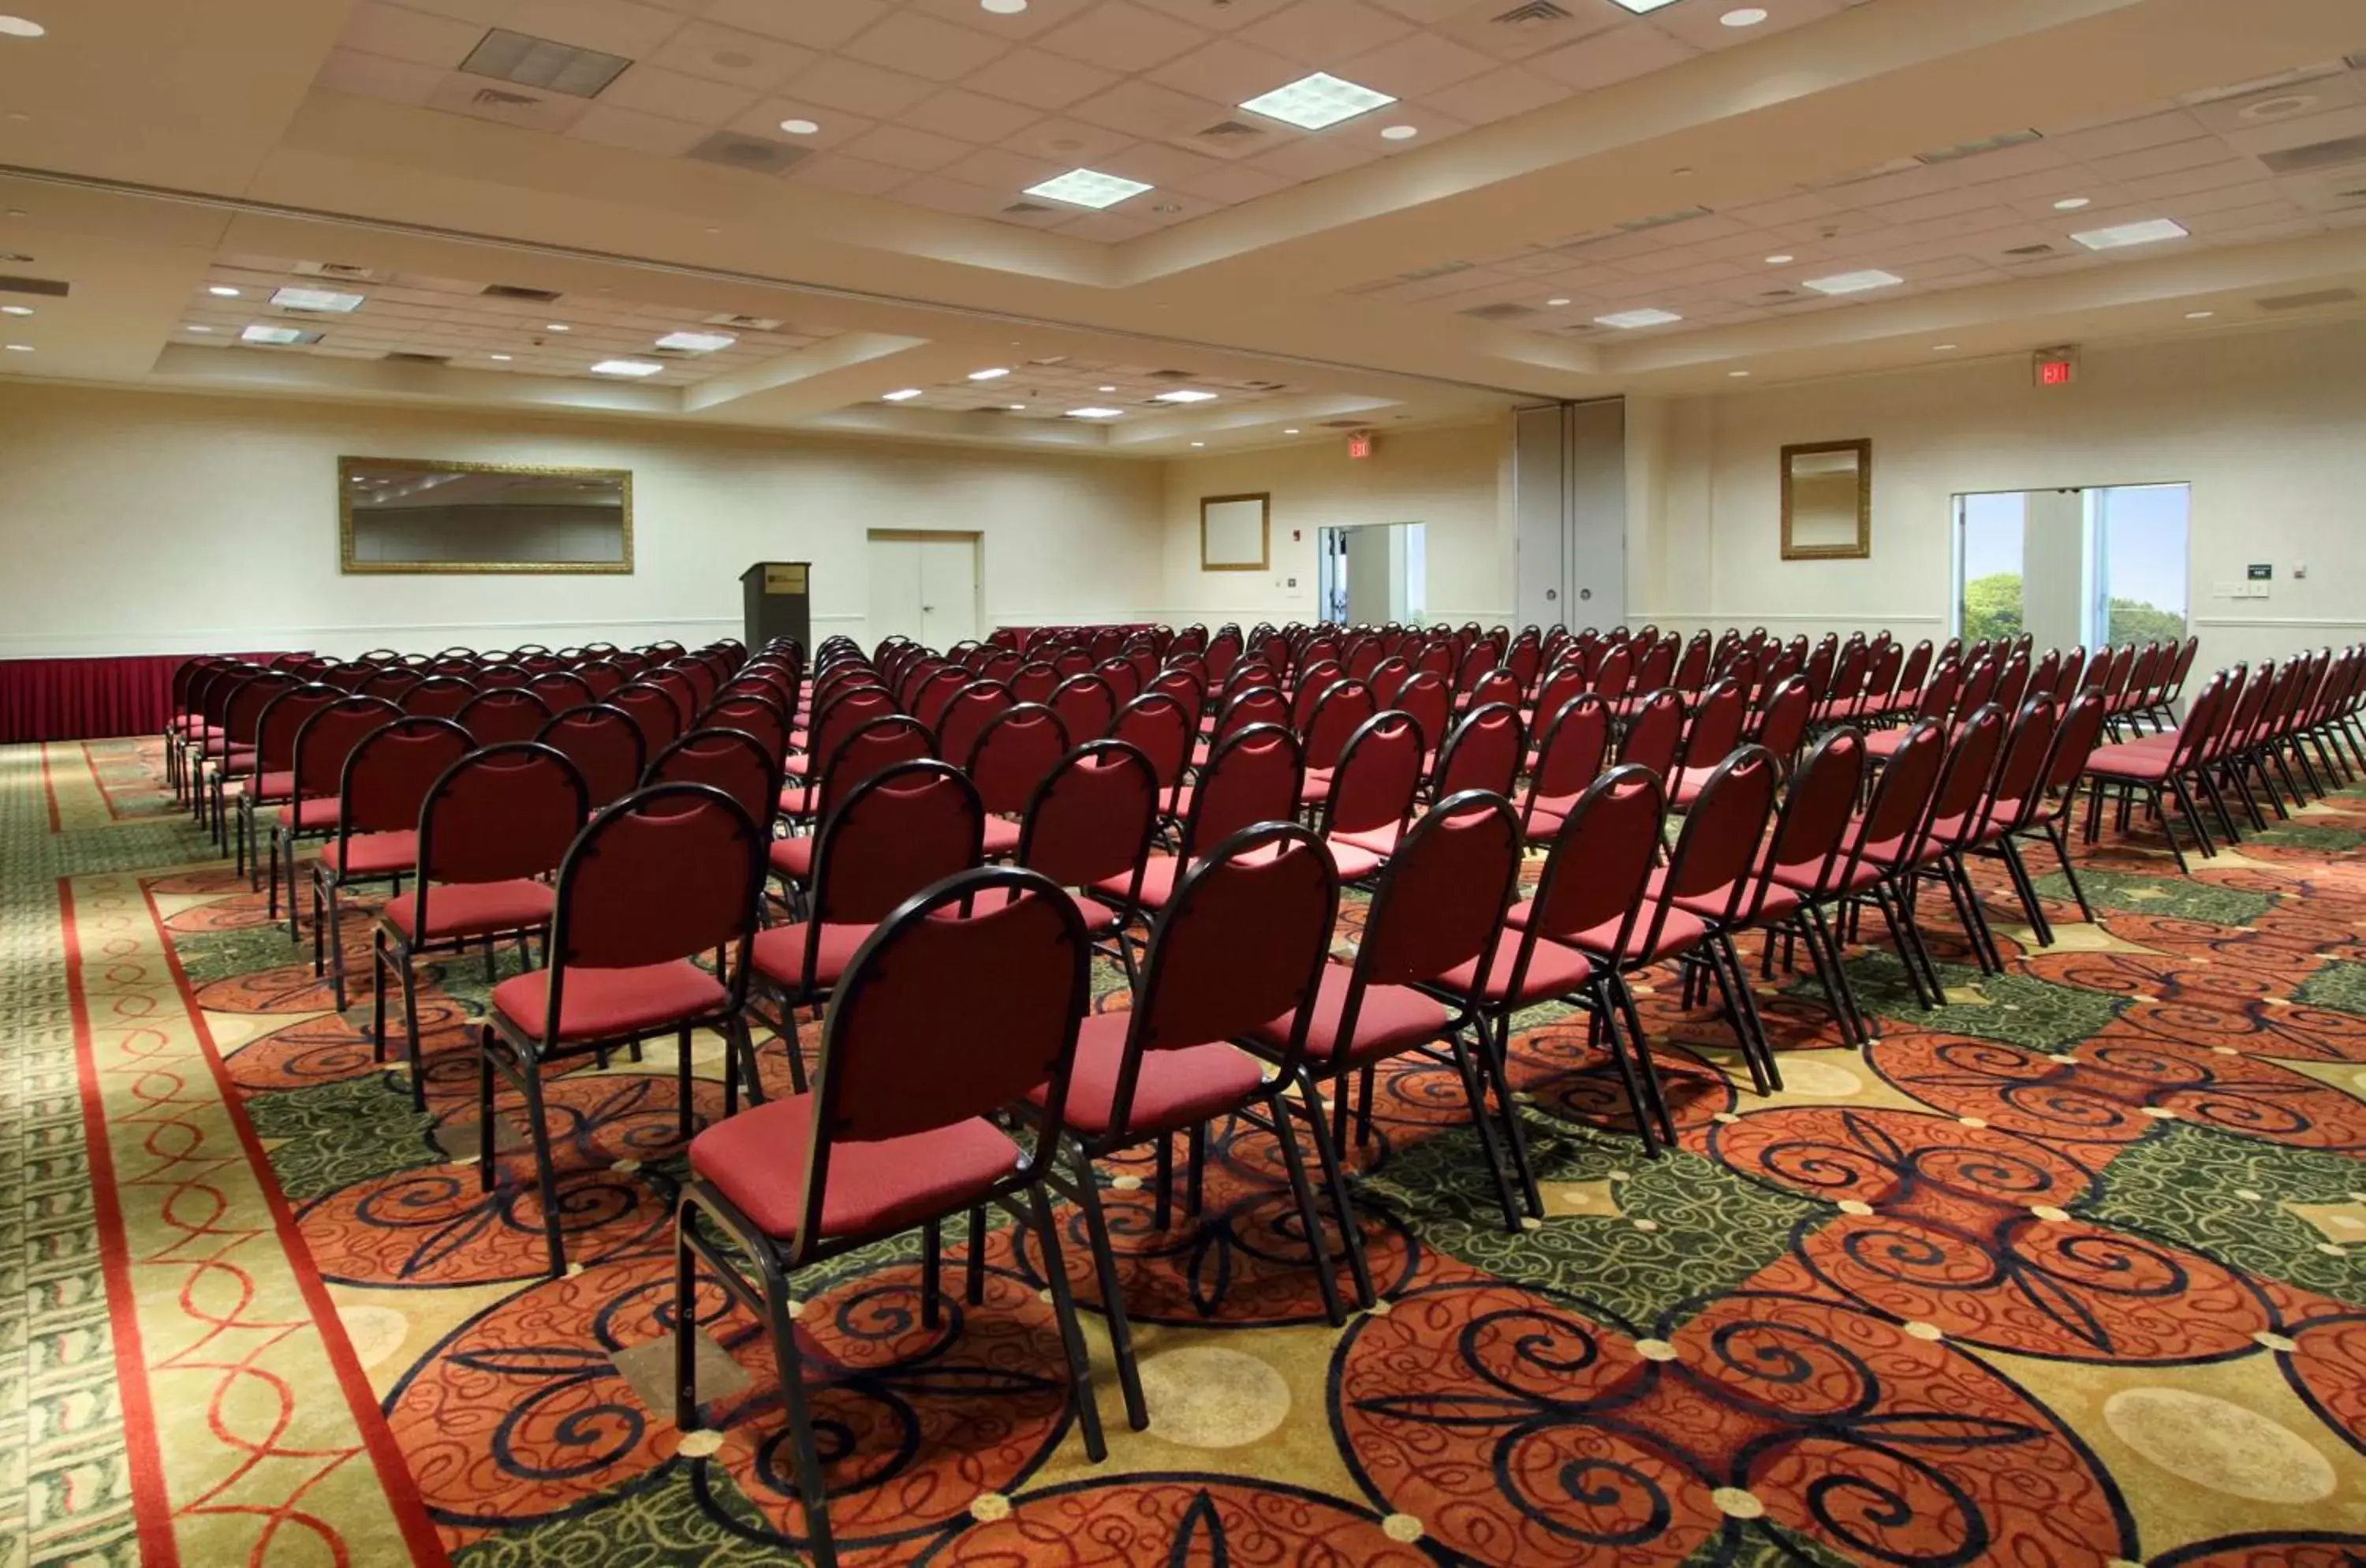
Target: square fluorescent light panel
(1094, 413)
(1312, 102)
(1632, 319)
(1642, 7)
(1854, 282)
(905, 396)
(697, 343)
(281, 336)
(634, 368)
(1087, 187)
(1184, 397)
(2149, 233)
(316, 299)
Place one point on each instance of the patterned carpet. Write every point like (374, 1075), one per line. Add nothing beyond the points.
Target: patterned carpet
(2071, 1270)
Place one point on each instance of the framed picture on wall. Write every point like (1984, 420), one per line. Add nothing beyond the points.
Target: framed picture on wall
(401, 514)
(1828, 501)
(1235, 531)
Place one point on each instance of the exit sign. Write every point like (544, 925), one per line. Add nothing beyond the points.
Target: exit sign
(1360, 444)
(2056, 367)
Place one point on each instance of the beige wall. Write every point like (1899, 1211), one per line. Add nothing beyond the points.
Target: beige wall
(139, 521)
(1456, 481)
(2267, 426)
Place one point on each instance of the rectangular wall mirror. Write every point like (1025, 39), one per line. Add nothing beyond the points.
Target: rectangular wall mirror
(398, 514)
(1233, 532)
(1828, 501)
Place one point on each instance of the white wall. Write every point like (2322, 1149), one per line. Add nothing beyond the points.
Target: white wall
(2267, 426)
(1457, 481)
(140, 522)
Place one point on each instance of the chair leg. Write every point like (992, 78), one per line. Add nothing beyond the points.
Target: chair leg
(812, 1489)
(932, 1272)
(1644, 1066)
(546, 1176)
(1334, 1177)
(742, 1042)
(973, 1265)
(485, 1172)
(1603, 1029)
(1195, 1170)
(1739, 1011)
(1120, 1329)
(378, 994)
(685, 1321)
(1162, 1205)
(1037, 1213)
(2025, 890)
(2069, 872)
(1481, 1122)
(1825, 966)
(1976, 919)
(1497, 1061)
(683, 1120)
(1309, 1216)
(1966, 916)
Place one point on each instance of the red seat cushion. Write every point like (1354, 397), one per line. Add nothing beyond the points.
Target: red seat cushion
(603, 1004)
(1313, 791)
(1355, 861)
(1392, 1019)
(756, 1160)
(1171, 1090)
(1158, 874)
(796, 800)
(2139, 762)
(372, 854)
(310, 816)
(791, 858)
(1681, 930)
(1001, 837)
(1690, 782)
(1100, 919)
(1553, 971)
(779, 954)
(1378, 843)
(472, 909)
(269, 789)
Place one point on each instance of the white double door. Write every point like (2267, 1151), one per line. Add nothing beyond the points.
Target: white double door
(924, 586)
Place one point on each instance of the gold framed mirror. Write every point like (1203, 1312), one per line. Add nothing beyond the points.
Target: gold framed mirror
(1235, 531)
(406, 514)
(1828, 501)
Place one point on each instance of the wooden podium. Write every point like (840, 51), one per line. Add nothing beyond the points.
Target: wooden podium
(779, 601)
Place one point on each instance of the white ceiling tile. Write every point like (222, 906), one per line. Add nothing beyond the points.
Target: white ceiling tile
(1107, 229)
(1938, 204)
(1499, 94)
(1227, 17)
(926, 47)
(2235, 219)
(838, 127)
(414, 36)
(2009, 163)
(2184, 183)
(991, 168)
(376, 76)
(1795, 209)
(1883, 189)
(1232, 184)
(652, 89)
(1432, 126)
(2266, 233)
(2047, 184)
(2232, 117)
(1227, 71)
(2230, 197)
(817, 24)
(1313, 157)
(1430, 13)
(725, 54)
(941, 195)
(1068, 143)
(1039, 80)
(1613, 56)
(1145, 110)
(617, 27)
(1041, 16)
(2304, 131)
(2162, 160)
(970, 117)
(859, 89)
(859, 175)
(1478, 28)
(459, 94)
(2128, 135)
(904, 148)
(613, 126)
(1121, 37)
(1168, 168)
(1416, 65)
(1326, 32)
(1698, 25)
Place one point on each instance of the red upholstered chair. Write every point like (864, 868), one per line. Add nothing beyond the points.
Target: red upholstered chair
(1086, 705)
(2047, 814)
(1372, 793)
(387, 777)
(1710, 736)
(322, 743)
(1253, 777)
(493, 827)
(1781, 722)
(661, 879)
(605, 746)
(1161, 725)
(751, 713)
(1424, 697)
(1576, 742)
(1655, 732)
(1483, 751)
(653, 708)
(271, 780)
(560, 689)
(837, 715)
(1337, 713)
(730, 760)
(391, 682)
(1799, 869)
(1495, 685)
(2178, 769)
(439, 697)
(1907, 692)
(1035, 681)
(898, 1135)
(1241, 946)
(931, 686)
(2014, 790)
(1435, 917)
(1934, 851)
(501, 675)
(964, 717)
(876, 744)
(503, 714)
(229, 751)
(1245, 706)
(1010, 759)
(908, 825)
(1936, 702)
(677, 685)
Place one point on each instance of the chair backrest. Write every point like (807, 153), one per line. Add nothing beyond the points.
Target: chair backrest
(1378, 777)
(1656, 667)
(1093, 816)
(875, 744)
(933, 691)
(1716, 726)
(499, 814)
(1917, 667)
(752, 714)
(966, 714)
(1901, 795)
(1716, 852)
(1424, 697)
(1341, 709)
(2075, 740)
(1964, 781)
(243, 717)
(605, 746)
(1600, 863)
(1014, 753)
(1783, 722)
(1252, 776)
(283, 716)
(560, 689)
(1483, 753)
(1692, 669)
(390, 770)
(1441, 902)
(391, 681)
(732, 761)
(327, 739)
(1940, 692)
(906, 826)
(1615, 672)
(1813, 828)
(439, 697)
(1085, 703)
(504, 713)
(1577, 738)
(2020, 776)
(1497, 685)
(1655, 732)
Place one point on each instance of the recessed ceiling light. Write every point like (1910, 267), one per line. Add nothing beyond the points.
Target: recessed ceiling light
(697, 343)
(1312, 102)
(1184, 396)
(2073, 203)
(1557, 301)
(1941, 347)
(1644, 8)
(1087, 187)
(1104, 388)
(279, 336)
(223, 291)
(558, 327)
(1094, 413)
(993, 374)
(196, 329)
(905, 396)
(15, 309)
(316, 299)
(799, 126)
(1854, 282)
(1017, 407)
(1198, 443)
(1781, 260)
(1649, 317)
(2199, 315)
(1737, 374)
(20, 348)
(1400, 132)
(633, 367)
(1002, 7)
(1747, 16)
(2152, 230)
(502, 356)
(1291, 431)
(20, 26)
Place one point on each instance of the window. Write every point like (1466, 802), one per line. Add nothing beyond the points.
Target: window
(2138, 580)
(2099, 565)
(1990, 532)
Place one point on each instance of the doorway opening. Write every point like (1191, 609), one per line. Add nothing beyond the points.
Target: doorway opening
(925, 586)
(2092, 565)
(1372, 573)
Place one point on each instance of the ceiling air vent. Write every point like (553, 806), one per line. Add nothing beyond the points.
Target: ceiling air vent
(1506, 311)
(1963, 150)
(2308, 301)
(517, 291)
(2036, 250)
(734, 151)
(55, 288)
(2316, 155)
(495, 98)
(1443, 269)
(404, 356)
(1172, 376)
(344, 270)
(1346, 424)
(1535, 14)
(1661, 220)
(1263, 386)
(745, 324)
(533, 61)
(1027, 209)
(1225, 130)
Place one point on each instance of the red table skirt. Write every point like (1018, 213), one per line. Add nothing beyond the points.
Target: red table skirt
(87, 699)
